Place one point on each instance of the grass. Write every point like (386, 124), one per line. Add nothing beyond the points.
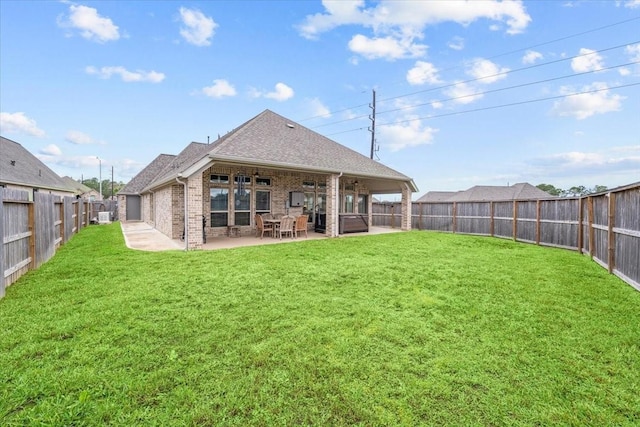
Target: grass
(409, 329)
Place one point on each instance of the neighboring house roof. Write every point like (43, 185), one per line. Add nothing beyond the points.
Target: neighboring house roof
(479, 193)
(147, 175)
(19, 167)
(78, 187)
(437, 196)
(270, 140)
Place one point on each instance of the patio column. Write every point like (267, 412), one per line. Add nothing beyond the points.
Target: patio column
(194, 211)
(333, 204)
(405, 223)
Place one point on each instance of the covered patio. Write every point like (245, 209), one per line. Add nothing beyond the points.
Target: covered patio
(142, 236)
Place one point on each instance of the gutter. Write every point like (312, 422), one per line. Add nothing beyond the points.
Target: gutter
(186, 213)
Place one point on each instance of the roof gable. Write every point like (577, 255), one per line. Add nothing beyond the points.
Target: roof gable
(18, 166)
(147, 175)
(273, 140)
(187, 157)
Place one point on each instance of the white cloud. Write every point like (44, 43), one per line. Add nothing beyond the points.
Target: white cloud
(79, 138)
(624, 71)
(397, 25)
(633, 50)
(531, 56)
(581, 106)
(423, 72)
(399, 136)
(319, 109)
(219, 89)
(126, 75)
(486, 71)
(413, 16)
(51, 150)
(632, 4)
(616, 160)
(389, 47)
(456, 43)
(462, 93)
(282, 92)
(589, 60)
(91, 25)
(19, 123)
(198, 28)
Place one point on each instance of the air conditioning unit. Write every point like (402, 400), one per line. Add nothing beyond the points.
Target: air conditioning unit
(296, 199)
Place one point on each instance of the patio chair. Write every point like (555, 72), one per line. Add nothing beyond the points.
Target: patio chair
(301, 225)
(261, 227)
(286, 226)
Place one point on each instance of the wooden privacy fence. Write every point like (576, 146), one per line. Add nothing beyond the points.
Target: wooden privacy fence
(606, 226)
(34, 224)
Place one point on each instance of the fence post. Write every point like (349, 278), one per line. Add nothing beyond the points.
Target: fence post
(514, 226)
(580, 225)
(538, 209)
(454, 222)
(592, 234)
(610, 235)
(491, 221)
(32, 238)
(62, 236)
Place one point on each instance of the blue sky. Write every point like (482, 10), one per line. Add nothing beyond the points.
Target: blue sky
(467, 93)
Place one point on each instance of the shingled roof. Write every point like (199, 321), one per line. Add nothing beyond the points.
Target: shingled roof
(147, 175)
(19, 167)
(481, 193)
(270, 140)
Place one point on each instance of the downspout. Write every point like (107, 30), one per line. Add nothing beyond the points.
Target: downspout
(186, 213)
(337, 209)
(153, 196)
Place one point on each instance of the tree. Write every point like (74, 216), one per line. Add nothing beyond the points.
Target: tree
(550, 189)
(575, 191)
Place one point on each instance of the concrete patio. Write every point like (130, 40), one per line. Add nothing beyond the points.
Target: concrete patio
(141, 236)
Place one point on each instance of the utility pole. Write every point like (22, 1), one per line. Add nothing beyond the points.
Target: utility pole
(100, 178)
(372, 129)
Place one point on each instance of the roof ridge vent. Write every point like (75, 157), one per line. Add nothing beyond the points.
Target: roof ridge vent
(290, 126)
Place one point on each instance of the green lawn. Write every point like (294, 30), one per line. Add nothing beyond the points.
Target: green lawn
(408, 329)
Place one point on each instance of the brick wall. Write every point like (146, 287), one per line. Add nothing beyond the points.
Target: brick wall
(122, 208)
(163, 210)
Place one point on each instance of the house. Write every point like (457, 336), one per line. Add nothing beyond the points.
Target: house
(21, 170)
(269, 164)
(81, 190)
(481, 193)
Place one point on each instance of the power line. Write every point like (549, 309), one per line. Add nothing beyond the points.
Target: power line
(491, 57)
(509, 87)
(504, 73)
(493, 107)
(410, 107)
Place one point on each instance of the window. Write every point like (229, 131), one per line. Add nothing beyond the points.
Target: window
(363, 203)
(242, 206)
(263, 202)
(309, 185)
(307, 208)
(219, 207)
(241, 179)
(349, 187)
(219, 179)
(263, 181)
(348, 203)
